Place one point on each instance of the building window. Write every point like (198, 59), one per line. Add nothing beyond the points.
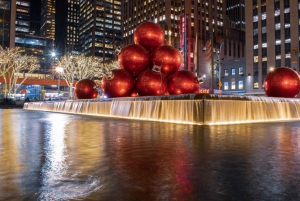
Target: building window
(225, 72)
(233, 71)
(225, 85)
(232, 83)
(255, 59)
(241, 71)
(255, 85)
(241, 84)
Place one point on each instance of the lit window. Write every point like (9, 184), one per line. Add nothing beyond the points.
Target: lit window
(278, 42)
(241, 71)
(278, 57)
(264, 45)
(255, 59)
(255, 47)
(264, 59)
(288, 55)
(287, 10)
(255, 85)
(264, 30)
(233, 84)
(233, 71)
(277, 12)
(241, 84)
(226, 72)
(255, 32)
(287, 25)
(277, 26)
(287, 40)
(255, 18)
(225, 85)
(263, 16)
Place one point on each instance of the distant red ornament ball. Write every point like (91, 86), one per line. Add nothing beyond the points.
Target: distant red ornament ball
(120, 85)
(282, 82)
(149, 35)
(150, 83)
(85, 89)
(168, 58)
(183, 82)
(134, 58)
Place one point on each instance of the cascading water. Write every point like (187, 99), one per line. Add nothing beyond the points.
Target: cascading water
(195, 109)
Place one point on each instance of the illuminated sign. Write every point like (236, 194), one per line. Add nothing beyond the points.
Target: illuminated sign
(204, 91)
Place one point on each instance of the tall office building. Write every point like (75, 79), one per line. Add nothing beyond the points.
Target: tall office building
(270, 44)
(235, 12)
(100, 27)
(188, 26)
(7, 22)
(67, 27)
(48, 18)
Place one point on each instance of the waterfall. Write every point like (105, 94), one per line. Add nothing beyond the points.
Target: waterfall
(194, 109)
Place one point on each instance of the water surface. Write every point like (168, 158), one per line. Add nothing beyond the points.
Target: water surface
(53, 156)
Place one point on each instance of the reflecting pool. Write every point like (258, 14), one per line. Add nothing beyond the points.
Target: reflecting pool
(54, 156)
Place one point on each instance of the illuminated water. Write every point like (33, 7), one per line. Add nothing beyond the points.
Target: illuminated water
(54, 156)
(190, 108)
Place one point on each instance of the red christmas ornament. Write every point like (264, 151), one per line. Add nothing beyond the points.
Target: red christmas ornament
(85, 89)
(167, 57)
(134, 59)
(134, 94)
(282, 82)
(183, 82)
(120, 85)
(150, 83)
(149, 35)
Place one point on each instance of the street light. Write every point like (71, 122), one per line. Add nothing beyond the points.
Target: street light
(59, 70)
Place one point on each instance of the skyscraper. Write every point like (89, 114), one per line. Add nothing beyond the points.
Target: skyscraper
(273, 44)
(48, 18)
(7, 22)
(100, 27)
(67, 27)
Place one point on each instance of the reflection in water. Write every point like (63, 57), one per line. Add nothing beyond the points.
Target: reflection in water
(58, 182)
(52, 156)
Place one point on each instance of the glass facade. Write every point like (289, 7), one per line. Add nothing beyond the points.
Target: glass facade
(48, 18)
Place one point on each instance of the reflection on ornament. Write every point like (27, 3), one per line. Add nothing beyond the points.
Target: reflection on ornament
(167, 57)
(134, 94)
(121, 85)
(150, 83)
(85, 89)
(282, 82)
(149, 35)
(134, 59)
(183, 82)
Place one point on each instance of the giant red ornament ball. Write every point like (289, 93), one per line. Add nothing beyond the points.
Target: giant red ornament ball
(183, 82)
(282, 82)
(134, 58)
(120, 85)
(150, 83)
(168, 58)
(149, 35)
(85, 89)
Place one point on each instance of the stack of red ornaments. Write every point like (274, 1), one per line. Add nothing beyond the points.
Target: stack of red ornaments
(149, 68)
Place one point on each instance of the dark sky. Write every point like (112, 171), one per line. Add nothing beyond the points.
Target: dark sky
(35, 10)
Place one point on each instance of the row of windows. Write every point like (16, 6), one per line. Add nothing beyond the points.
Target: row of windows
(226, 72)
(233, 85)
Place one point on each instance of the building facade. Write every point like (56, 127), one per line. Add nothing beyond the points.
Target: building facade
(270, 44)
(48, 18)
(7, 23)
(203, 20)
(100, 28)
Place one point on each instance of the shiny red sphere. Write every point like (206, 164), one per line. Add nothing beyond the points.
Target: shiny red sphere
(120, 85)
(85, 89)
(134, 94)
(150, 83)
(134, 58)
(183, 82)
(167, 57)
(282, 82)
(149, 35)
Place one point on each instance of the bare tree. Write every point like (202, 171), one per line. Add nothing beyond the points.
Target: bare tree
(77, 67)
(12, 63)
